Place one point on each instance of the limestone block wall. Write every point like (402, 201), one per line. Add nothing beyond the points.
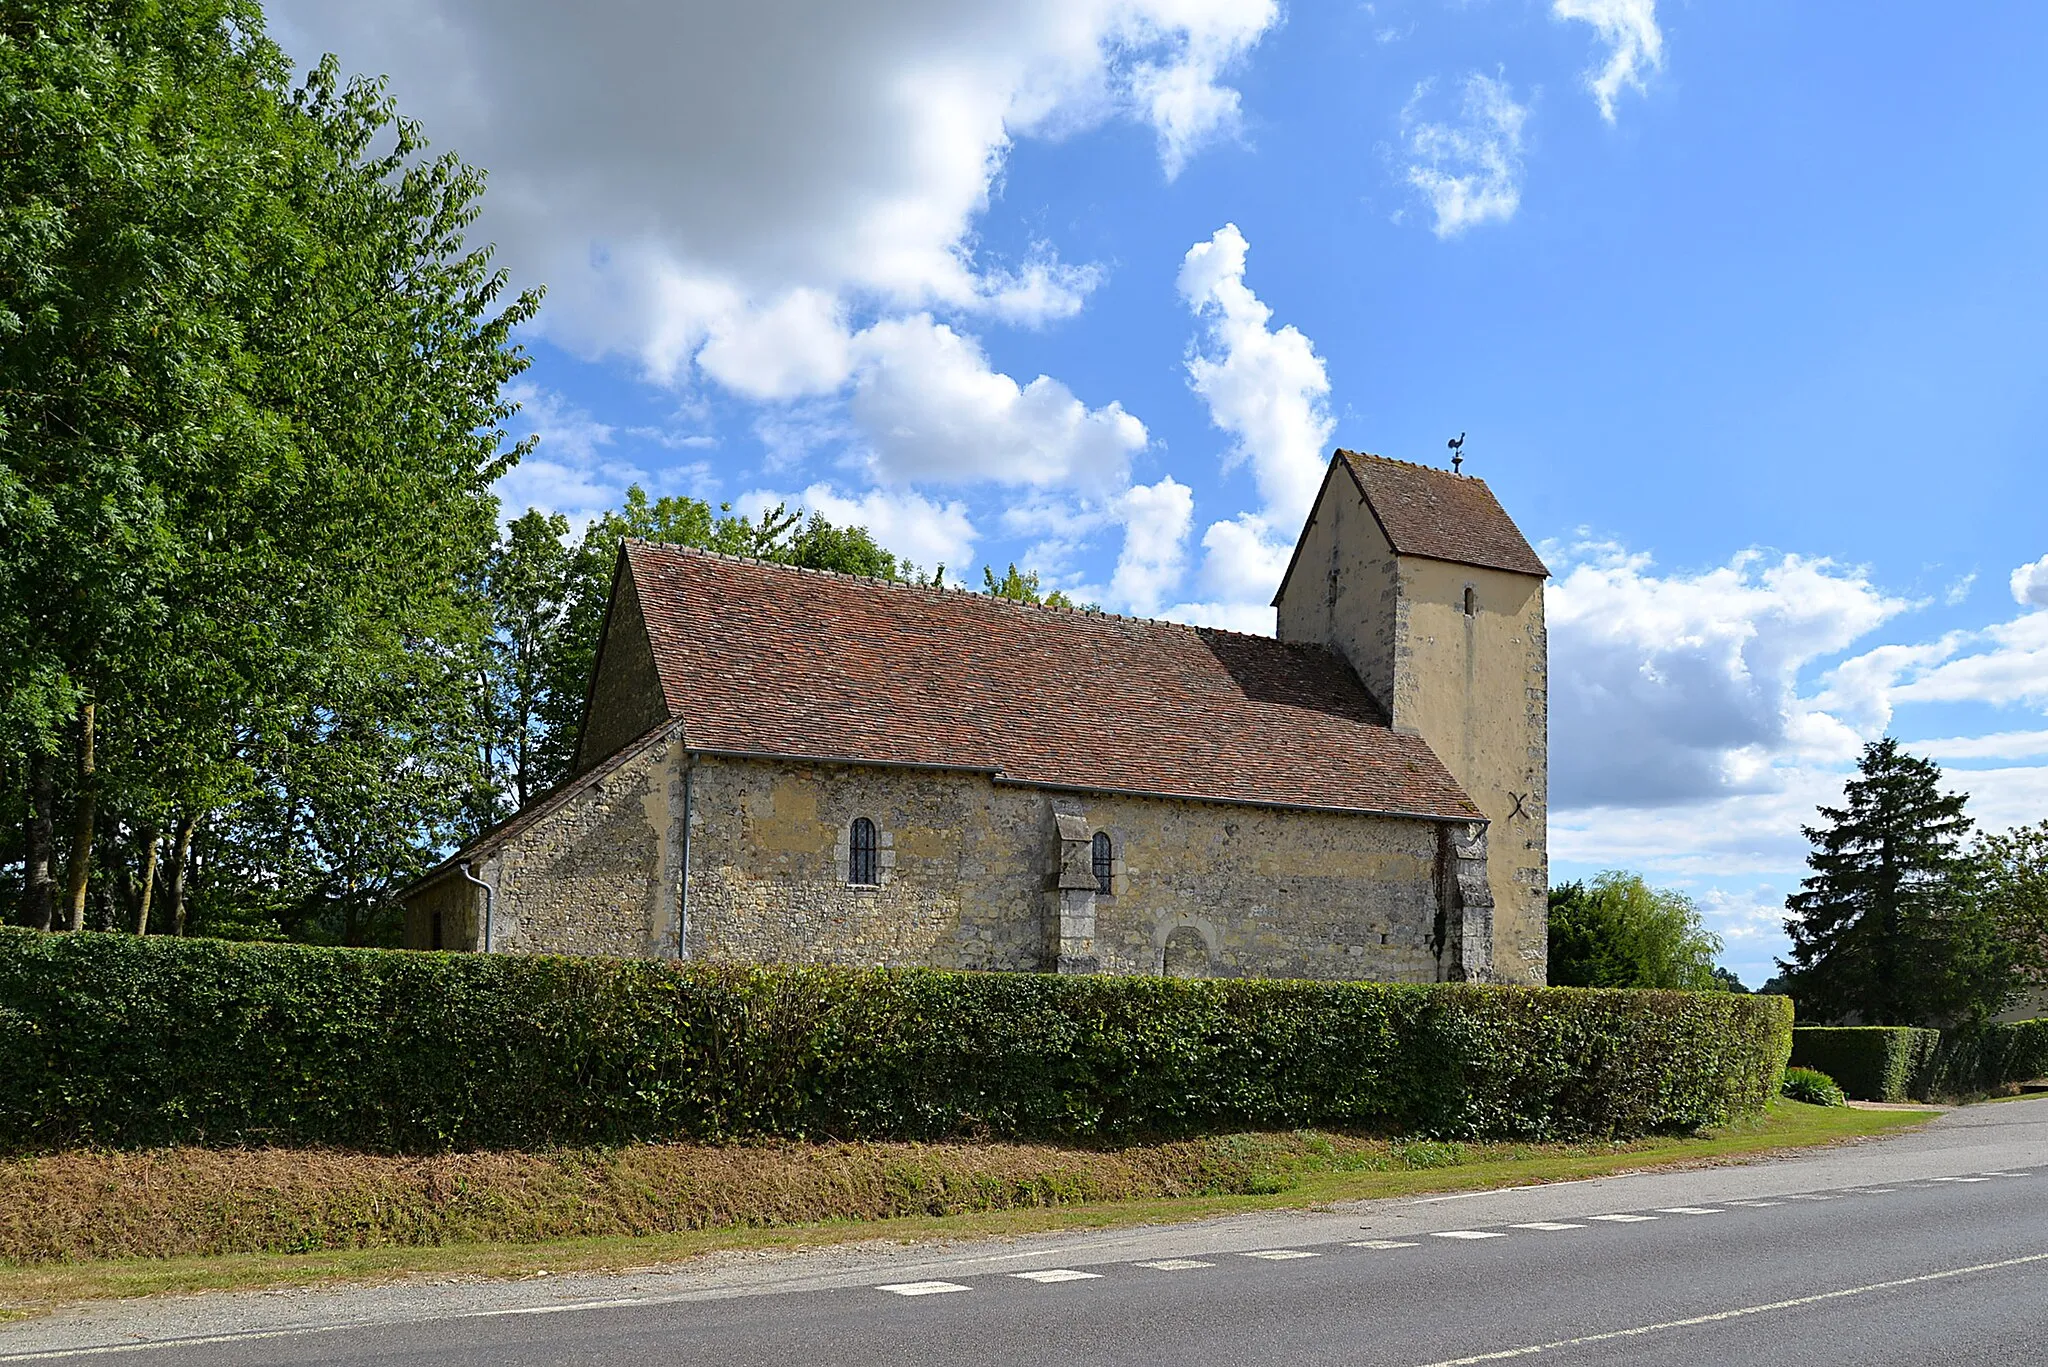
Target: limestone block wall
(972, 875)
(959, 876)
(597, 876)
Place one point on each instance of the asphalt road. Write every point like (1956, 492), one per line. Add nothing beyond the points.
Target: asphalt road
(1926, 1248)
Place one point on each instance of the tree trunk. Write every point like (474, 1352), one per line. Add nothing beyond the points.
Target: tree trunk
(39, 894)
(150, 844)
(82, 822)
(181, 859)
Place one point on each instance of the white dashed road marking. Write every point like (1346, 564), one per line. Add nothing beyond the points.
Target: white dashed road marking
(1056, 1274)
(1177, 1264)
(1280, 1254)
(1686, 1210)
(1467, 1234)
(1383, 1243)
(1549, 1226)
(1757, 1205)
(1623, 1219)
(1959, 1179)
(922, 1288)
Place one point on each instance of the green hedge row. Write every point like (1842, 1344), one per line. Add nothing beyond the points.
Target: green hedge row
(1993, 1059)
(1902, 1063)
(114, 1040)
(1868, 1062)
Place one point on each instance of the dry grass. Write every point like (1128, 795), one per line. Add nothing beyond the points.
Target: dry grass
(186, 1202)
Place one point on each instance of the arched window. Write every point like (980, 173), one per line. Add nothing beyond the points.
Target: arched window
(1105, 862)
(862, 865)
(1471, 601)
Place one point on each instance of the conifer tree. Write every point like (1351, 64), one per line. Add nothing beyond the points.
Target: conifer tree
(1886, 928)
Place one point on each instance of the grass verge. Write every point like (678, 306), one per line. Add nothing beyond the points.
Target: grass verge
(71, 1223)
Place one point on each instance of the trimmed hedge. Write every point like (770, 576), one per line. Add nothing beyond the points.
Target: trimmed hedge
(1905, 1063)
(1995, 1058)
(118, 1041)
(1868, 1062)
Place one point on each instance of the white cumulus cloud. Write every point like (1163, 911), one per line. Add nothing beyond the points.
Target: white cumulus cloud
(2030, 584)
(670, 170)
(915, 528)
(1635, 45)
(930, 409)
(1684, 687)
(1156, 518)
(1470, 171)
(1269, 390)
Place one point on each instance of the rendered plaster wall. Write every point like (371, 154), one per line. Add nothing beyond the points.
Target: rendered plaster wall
(2031, 1003)
(1343, 592)
(971, 872)
(450, 902)
(1476, 687)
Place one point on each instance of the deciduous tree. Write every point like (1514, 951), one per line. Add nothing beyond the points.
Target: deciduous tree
(1618, 931)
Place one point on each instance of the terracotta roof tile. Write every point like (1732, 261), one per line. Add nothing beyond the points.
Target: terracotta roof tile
(766, 659)
(1445, 516)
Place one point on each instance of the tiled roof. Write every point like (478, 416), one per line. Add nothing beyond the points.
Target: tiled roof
(764, 659)
(1445, 516)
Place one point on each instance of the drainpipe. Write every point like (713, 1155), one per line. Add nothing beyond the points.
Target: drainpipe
(683, 899)
(463, 869)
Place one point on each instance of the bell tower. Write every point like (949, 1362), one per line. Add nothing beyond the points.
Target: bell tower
(1420, 579)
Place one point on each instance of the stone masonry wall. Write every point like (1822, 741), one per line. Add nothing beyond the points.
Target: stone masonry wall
(598, 875)
(970, 878)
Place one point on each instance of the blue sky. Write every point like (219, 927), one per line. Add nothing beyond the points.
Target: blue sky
(1741, 305)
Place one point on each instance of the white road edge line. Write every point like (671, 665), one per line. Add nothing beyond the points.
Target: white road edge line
(1466, 1234)
(1747, 1310)
(1503, 1191)
(1548, 1226)
(1175, 1264)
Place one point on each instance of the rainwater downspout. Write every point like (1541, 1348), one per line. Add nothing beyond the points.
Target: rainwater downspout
(463, 869)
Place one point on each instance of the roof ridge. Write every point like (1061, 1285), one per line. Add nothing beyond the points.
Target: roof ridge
(1095, 613)
(1410, 464)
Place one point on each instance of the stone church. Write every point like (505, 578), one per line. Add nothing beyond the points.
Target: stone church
(787, 766)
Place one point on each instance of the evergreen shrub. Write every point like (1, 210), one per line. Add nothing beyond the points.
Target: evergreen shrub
(1868, 1062)
(121, 1042)
(1813, 1087)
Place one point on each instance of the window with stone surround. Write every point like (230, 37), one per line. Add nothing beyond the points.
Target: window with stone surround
(1105, 863)
(863, 857)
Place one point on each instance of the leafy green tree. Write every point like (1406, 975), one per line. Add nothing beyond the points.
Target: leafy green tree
(1618, 931)
(250, 414)
(1886, 929)
(1022, 588)
(2009, 873)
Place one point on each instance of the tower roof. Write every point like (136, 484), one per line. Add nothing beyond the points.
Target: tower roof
(1444, 516)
